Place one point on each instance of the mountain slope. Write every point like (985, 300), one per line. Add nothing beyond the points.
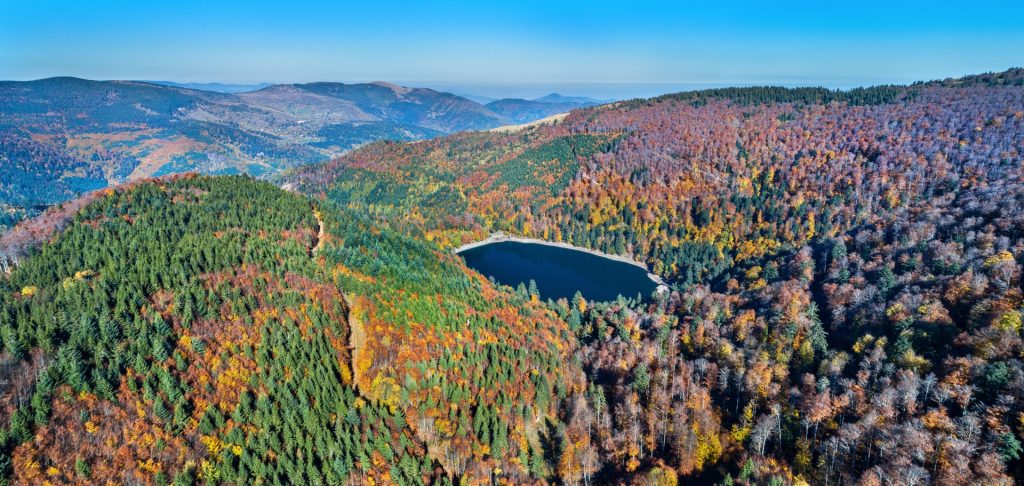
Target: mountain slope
(413, 106)
(84, 134)
(200, 332)
(657, 189)
(846, 266)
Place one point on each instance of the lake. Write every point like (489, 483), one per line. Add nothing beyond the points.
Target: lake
(558, 272)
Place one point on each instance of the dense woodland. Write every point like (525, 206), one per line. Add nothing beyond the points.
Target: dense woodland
(833, 257)
(845, 308)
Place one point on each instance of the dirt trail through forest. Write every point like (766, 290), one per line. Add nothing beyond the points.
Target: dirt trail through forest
(356, 343)
(319, 233)
(357, 336)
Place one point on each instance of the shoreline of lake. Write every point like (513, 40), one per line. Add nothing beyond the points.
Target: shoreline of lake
(500, 237)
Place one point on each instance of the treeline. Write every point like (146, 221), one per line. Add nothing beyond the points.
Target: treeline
(762, 95)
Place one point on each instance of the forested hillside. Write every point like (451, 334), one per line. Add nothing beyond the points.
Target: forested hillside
(846, 267)
(195, 330)
(845, 308)
(705, 177)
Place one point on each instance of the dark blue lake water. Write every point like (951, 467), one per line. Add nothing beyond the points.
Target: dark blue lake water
(559, 272)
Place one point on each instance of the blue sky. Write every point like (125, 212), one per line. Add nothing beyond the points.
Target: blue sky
(502, 47)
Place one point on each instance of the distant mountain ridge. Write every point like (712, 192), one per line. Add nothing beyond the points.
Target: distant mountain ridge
(582, 100)
(423, 107)
(525, 111)
(60, 137)
(218, 87)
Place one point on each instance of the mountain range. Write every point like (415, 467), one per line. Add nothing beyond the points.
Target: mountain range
(60, 137)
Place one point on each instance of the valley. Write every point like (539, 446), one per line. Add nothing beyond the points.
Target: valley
(63, 137)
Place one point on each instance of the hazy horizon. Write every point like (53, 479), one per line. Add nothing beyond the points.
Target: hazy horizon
(526, 90)
(511, 49)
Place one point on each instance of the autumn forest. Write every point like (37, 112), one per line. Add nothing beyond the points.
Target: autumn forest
(844, 308)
